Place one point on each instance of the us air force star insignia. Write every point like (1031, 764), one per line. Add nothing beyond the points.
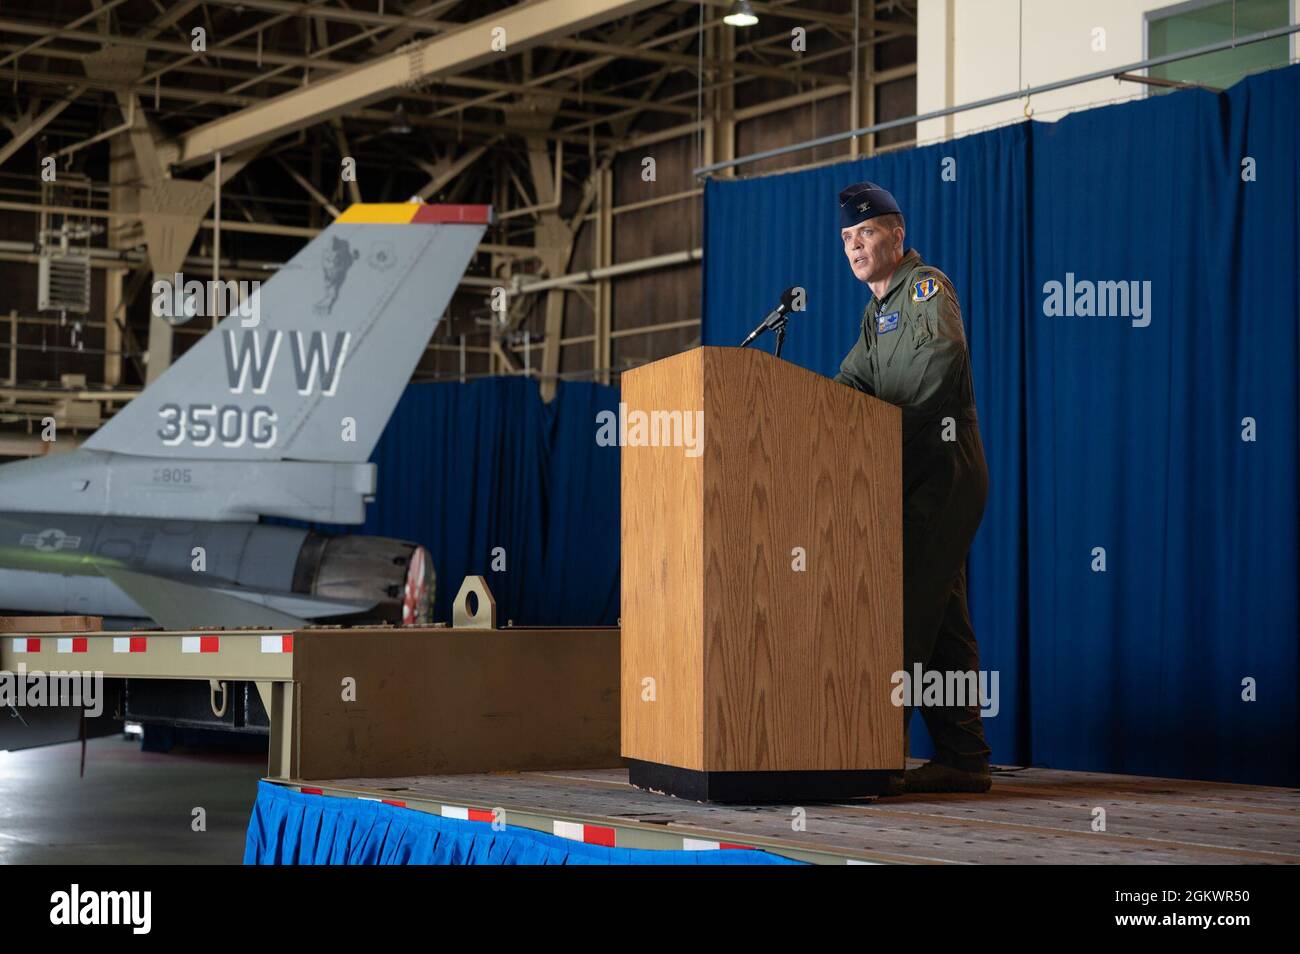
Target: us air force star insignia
(864, 206)
(925, 289)
(50, 540)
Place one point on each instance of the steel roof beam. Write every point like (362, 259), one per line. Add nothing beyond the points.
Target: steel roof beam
(166, 46)
(524, 26)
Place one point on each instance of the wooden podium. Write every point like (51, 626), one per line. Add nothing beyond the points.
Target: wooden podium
(762, 596)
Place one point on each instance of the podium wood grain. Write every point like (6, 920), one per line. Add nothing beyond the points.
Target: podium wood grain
(757, 666)
(662, 574)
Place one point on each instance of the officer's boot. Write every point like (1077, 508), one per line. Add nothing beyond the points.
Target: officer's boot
(936, 777)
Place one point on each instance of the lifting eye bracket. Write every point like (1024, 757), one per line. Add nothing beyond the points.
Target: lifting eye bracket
(215, 686)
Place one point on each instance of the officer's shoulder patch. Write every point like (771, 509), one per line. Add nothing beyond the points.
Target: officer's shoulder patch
(925, 289)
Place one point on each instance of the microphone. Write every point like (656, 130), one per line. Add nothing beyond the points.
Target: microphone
(775, 318)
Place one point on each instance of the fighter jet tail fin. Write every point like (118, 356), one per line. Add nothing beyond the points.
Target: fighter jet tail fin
(309, 364)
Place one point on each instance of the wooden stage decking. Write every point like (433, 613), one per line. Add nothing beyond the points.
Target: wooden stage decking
(1031, 816)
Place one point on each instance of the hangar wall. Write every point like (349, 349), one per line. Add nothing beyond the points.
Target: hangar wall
(968, 51)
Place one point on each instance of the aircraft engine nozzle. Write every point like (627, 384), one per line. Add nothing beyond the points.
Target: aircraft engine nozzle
(398, 574)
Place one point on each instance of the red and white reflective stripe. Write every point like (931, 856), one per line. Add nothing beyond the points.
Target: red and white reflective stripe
(26, 644)
(383, 801)
(277, 644)
(130, 644)
(200, 644)
(467, 814)
(590, 834)
(701, 844)
(71, 644)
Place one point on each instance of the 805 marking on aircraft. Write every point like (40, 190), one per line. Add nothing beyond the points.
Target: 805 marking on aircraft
(172, 475)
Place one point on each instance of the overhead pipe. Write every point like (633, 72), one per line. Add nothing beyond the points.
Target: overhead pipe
(106, 134)
(613, 271)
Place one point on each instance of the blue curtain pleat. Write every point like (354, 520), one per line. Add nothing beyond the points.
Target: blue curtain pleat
(1098, 434)
(291, 828)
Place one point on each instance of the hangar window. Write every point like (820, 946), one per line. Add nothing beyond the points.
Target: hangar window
(1186, 26)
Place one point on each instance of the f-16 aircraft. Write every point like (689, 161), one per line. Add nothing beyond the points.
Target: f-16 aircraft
(274, 413)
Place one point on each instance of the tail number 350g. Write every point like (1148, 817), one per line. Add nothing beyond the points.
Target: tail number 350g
(204, 424)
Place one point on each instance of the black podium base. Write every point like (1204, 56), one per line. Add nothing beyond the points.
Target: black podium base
(756, 787)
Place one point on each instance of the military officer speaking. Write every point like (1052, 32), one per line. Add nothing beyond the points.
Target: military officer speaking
(912, 353)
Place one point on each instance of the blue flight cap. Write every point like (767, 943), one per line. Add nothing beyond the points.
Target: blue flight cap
(865, 200)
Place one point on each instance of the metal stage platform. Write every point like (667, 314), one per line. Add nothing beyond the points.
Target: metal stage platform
(1031, 816)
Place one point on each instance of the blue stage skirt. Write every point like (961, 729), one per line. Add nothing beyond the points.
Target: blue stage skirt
(290, 828)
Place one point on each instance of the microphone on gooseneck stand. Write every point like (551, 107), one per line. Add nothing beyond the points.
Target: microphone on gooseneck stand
(775, 320)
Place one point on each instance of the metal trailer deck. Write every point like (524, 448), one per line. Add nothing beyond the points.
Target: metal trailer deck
(262, 657)
(420, 698)
(1031, 816)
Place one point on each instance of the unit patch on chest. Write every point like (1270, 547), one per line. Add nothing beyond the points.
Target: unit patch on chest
(886, 323)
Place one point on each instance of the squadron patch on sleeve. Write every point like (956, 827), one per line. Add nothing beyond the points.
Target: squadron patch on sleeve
(925, 289)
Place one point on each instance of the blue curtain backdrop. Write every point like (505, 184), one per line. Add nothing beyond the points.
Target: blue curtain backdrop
(1099, 433)
(466, 468)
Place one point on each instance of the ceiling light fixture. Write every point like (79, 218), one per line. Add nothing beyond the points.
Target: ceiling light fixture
(741, 14)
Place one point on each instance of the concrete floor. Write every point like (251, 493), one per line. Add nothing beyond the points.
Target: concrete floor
(132, 807)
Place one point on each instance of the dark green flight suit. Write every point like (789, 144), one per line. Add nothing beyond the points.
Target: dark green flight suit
(912, 353)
